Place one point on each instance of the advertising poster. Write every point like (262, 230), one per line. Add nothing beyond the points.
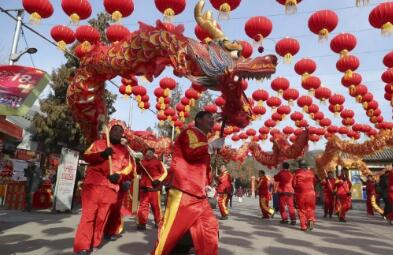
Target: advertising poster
(66, 175)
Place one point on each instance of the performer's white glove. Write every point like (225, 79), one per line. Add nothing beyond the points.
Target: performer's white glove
(216, 144)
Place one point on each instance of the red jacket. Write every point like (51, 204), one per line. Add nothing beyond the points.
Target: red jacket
(328, 185)
(304, 180)
(224, 184)
(190, 168)
(370, 188)
(263, 186)
(342, 186)
(156, 170)
(284, 179)
(98, 169)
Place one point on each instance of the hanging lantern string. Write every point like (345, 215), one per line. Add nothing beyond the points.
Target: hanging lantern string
(54, 44)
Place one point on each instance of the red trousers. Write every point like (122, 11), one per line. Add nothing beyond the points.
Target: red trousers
(223, 200)
(96, 202)
(114, 225)
(343, 204)
(147, 199)
(328, 203)
(370, 209)
(264, 205)
(286, 200)
(187, 213)
(306, 207)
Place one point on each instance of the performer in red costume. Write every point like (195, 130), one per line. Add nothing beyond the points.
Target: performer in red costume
(152, 173)
(343, 194)
(224, 190)
(100, 188)
(187, 207)
(285, 192)
(264, 196)
(370, 191)
(328, 198)
(304, 182)
(115, 224)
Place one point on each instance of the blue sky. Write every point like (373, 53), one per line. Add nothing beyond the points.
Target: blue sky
(370, 49)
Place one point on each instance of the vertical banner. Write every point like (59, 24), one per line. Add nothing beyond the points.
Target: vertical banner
(66, 175)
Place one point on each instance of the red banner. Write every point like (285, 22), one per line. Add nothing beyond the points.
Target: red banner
(20, 86)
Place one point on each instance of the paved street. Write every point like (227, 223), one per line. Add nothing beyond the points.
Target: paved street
(244, 233)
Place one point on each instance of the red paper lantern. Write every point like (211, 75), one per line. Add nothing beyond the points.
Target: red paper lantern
(322, 93)
(192, 94)
(388, 60)
(347, 64)
(343, 43)
(314, 138)
(273, 102)
(260, 95)
(351, 81)
(202, 34)
(76, 9)
(87, 35)
(311, 83)
(259, 110)
(387, 76)
(116, 33)
(225, 7)
(360, 91)
(63, 35)
(381, 17)
(264, 130)
(277, 117)
(348, 122)
(305, 67)
(343, 130)
(38, 9)
(246, 49)
(287, 48)
(280, 84)
(288, 130)
(347, 113)
(322, 23)
(293, 138)
(296, 116)
(284, 110)
(79, 52)
(313, 108)
(318, 116)
(290, 5)
(332, 129)
(258, 27)
(291, 95)
(325, 122)
(212, 108)
(270, 123)
(251, 132)
(169, 84)
(170, 8)
(235, 138)
(219, 101)
(243, 136)
(304, 102)
(336, 101)
(119, 8)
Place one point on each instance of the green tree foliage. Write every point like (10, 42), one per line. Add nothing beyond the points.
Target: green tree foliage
(56, 128)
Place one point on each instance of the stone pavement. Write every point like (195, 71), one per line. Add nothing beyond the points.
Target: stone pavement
(245, 233)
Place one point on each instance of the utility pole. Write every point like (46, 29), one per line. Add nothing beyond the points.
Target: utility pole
(15, 41)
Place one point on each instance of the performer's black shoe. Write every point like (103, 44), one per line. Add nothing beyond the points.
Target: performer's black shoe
(330, 216)
(224, 217)
(84, 252)
(293, 222)
(141, 227)
(304, 229)
(155, 225)
(284, 221)
(342, 220)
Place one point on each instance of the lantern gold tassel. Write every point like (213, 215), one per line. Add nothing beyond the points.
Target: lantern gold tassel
(323, 35)
(35, 18)
(288, 58)
(169, 14)
(74, 19)
(387, 29)
(290, 7)
(117, 16)
(61, 45)
(225, 10)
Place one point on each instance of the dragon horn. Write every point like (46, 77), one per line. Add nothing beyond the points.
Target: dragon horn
(206, 21)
